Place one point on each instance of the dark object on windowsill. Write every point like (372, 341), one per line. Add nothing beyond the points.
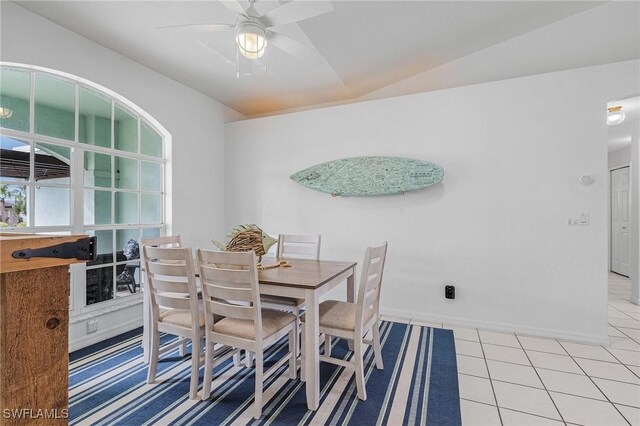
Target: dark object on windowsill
(131, 250)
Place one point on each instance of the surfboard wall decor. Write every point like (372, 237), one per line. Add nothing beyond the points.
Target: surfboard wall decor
(369, 176)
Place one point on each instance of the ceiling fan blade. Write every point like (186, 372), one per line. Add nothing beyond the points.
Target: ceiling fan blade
(234, 6)
(296, 49)
(218, 54)
(199, 28)
(295, 11)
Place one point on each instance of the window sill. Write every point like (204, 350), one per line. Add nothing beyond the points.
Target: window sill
(91, 312)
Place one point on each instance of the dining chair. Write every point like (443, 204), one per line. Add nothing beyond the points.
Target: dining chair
(299, 246)
(294, 247)
(166, 242)
(171, 285)
(229, 283)
(352, 321)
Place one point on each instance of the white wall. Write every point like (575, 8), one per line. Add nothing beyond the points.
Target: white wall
(195, 121)
(620, 157)
(496, 227)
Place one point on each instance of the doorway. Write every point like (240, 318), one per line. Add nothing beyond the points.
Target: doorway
(620, 221)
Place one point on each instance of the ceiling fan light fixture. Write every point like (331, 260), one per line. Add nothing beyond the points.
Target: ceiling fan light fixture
(251, 39)
(615, 115)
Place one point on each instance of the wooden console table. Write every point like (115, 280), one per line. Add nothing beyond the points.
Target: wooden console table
(34, 325)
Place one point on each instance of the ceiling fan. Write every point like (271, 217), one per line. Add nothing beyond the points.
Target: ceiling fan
(255, 31)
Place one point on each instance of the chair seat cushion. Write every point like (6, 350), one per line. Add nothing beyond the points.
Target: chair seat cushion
(340, 315)
(278, 300)
(272, 322)
(182, 318)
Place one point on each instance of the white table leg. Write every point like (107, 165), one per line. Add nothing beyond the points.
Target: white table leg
(351, 296)
(311, 348)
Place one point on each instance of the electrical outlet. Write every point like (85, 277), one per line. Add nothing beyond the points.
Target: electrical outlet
(92, 326)
(449, 292)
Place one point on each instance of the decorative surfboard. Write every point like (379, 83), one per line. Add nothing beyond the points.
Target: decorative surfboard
(369, 176)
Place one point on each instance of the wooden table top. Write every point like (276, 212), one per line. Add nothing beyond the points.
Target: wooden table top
(10, 242)
(303, 273)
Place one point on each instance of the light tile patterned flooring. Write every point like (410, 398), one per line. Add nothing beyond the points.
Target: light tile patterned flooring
(512, 379)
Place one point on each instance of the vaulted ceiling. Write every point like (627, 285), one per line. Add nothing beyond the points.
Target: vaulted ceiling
(372, 48)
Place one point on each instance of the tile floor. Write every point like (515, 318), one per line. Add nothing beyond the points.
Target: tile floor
(510, 379)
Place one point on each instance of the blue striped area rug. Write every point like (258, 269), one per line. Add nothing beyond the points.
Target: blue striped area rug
(419, 385)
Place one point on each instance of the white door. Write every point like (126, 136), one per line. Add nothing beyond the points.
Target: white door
(620, 217)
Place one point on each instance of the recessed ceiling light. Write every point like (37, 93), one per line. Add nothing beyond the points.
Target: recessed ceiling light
(615, 115)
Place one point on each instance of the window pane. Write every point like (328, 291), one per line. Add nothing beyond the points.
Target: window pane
(125, 127)
(13, 205)
(15, 159)
(104, 247)
(126, 173)
(128, 274)
(151, 209)
(151, 233)
(52, 206)
(99, 285)
(95, 119)
(55, 107)
(151, 141)
(14, 99)
(52, 163)
(128, 279)
(126, 207)
(97, 207)
(150, 176)
(100, 280)
(127, 243)
(97, 169)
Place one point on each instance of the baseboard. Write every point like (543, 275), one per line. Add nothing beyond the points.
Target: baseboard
(105, 334)
(592, 339)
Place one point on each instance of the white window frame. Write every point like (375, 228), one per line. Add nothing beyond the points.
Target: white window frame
(77, 300)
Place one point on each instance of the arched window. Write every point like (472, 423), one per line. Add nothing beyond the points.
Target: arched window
(78, 158)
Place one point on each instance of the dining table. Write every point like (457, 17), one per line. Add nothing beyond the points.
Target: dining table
(299, 279)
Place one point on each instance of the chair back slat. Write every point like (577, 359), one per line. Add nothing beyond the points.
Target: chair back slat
(229, 283)
(232, 277)
(177, 287)
(371, 281)
(235, 260)
(169, 241)
(167, 269)
(299, 246)
(166, 254)
(229, 293)
(229, 310)
(300, 239)
(172, 300)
